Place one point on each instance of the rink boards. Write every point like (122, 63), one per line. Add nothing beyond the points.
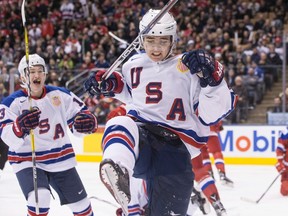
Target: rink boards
(252, 144)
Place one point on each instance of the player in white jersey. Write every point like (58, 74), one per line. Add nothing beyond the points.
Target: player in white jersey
(53, 110)
(170, 101)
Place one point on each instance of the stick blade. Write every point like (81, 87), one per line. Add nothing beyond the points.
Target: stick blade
(248, 200)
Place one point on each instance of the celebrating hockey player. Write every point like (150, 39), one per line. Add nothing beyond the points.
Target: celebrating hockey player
(47, 111)
(170, 100)
(282, 163)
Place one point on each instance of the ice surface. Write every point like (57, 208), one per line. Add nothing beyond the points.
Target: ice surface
(249, 181)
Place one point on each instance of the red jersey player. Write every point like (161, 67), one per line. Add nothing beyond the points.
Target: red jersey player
(214, 147)
(282, 163)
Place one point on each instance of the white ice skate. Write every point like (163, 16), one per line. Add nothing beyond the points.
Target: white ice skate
(116, 180)
(224, 180)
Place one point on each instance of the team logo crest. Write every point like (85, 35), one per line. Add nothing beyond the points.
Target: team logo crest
(181, 67)
(56, 101)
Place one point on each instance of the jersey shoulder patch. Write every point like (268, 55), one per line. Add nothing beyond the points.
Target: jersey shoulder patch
(181, 67)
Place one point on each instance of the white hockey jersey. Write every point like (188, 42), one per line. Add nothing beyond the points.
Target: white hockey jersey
(54, 151)
(166, 94)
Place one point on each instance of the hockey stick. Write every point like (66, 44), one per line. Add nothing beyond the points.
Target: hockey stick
(135, 43)
(29, 95)
(104, 201)
(260, 198)
(117, 38)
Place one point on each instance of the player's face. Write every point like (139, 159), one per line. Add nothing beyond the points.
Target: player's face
(37, 80)
(157, 47)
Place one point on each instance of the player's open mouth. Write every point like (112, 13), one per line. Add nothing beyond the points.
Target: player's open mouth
(156, 54)
(37, 82)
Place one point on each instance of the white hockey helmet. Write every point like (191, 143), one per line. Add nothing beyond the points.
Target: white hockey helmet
(34, 59)
(165, 26)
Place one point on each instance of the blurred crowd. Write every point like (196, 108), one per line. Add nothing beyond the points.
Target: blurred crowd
(72, 36)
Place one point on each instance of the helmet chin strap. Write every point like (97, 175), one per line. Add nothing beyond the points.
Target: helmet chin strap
(170, 51)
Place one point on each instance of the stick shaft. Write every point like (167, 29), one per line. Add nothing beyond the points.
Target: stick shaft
(104, 201)
(29, 94)
(261, 197)
(268, 188)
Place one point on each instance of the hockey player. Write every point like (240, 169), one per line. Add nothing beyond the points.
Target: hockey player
(169, 100)
(197, 199)
(282, 163)
(206, 185)
(53, 110)
(214, 147)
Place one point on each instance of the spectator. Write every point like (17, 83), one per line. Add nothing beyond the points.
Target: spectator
(101, 62)
(66, 63)
(47, 27)
(284, 96)
(251, 82)
(230, 77)
(67, 14)
(87, 64)
(7, 54)
(240, 113)
(72, 43)
(34, 34)
(275, 62)
(3, 92)
(259, 72)
(279, 47)
(277, 105)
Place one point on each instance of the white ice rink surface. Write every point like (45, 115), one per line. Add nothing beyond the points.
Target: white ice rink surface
(250, 182)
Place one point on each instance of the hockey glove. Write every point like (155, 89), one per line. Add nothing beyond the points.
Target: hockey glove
(85, 122)
(95, 85)
(27, 121)
(280, 167)
(209, 71)
(92, 86)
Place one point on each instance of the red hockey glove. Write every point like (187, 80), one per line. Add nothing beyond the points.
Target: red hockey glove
(209, 71)
(85, 122)
(108, 87)
(280, 167)
(113, 84)
(27, 121)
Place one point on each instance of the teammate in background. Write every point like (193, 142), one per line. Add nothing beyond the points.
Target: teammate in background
(282, 163)
(53, 110)
(214, 147)
(3, 155)
(168, 101)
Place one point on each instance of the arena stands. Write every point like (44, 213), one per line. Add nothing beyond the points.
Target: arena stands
(72, 36)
